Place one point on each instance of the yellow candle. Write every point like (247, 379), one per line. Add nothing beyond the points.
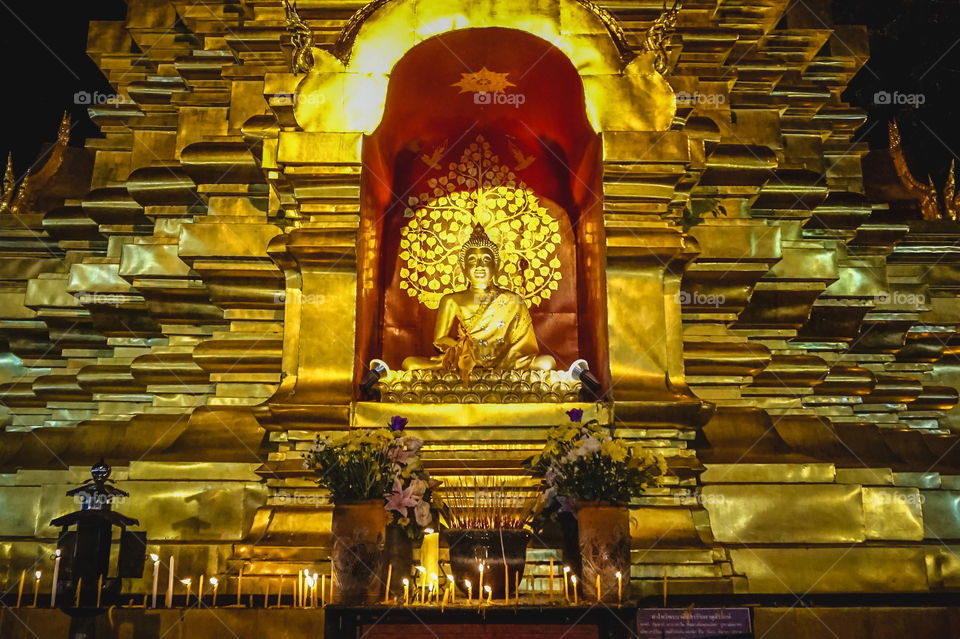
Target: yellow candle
(200, 591)
(100, 591)
(215, 583)
(76, 595)
(619, 587)
(664, 587)
(406, 591)
(466, 582)
(423, 584)
(332, 581)
(266, 595)
(489, 591)
(573, 582)
(386, 588)
(566, 589)
(298, 591)
(187, 582)
(480, 586)
(280, 591)
(506, 585)
(239, 585)
(435, 586)
(323, 590)
(599, 594)
(551, 579)
(36, 588)
(453, 589)
(23, 575)
(430, 552)
(516, 589)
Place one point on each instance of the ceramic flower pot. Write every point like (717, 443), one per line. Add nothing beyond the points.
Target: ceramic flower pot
(359, 533)
(469, 547)
(604, 532)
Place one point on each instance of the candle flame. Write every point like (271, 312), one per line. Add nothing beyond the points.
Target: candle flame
(486, 588)
(467, 583)
(406, 582)
(38, 575)
(421, 569)
(185, 582)
(566, 569)
(213, 581)
(58, 552)
(618, 574)
(428, 531)
(573, 578)
(155, 558)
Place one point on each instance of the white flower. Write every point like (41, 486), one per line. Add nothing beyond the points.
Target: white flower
(419, 487)
(422, 512)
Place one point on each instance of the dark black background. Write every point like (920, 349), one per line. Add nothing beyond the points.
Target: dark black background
(915, 48)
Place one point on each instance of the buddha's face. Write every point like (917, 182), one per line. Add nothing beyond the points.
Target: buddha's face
(479, 267)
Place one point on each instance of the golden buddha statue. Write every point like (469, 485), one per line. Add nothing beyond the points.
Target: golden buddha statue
(494, 328)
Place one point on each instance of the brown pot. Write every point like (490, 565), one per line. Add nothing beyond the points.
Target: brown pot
(604, 532)
(359, 531)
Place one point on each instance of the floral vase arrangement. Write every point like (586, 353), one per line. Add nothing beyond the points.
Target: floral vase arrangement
(584, 467)
(374, 477)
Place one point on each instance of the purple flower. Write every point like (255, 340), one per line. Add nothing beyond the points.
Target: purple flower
(575, 414)
(567, 504)
(401, 498)
(397, 423)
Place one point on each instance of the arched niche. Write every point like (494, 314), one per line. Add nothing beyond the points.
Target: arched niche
(432, 127)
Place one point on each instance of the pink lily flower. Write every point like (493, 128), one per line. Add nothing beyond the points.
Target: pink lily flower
(401, 498)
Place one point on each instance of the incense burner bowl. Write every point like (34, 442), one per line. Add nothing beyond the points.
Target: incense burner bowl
(494, 549)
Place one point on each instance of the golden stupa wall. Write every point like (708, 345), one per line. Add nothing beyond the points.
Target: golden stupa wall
(166, 314)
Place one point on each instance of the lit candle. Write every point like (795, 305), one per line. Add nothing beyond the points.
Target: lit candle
(551, 579)
(215, 583)
(423, 584)
(573, 582)
(23, 575)
(36, 588)
(156, 577)
(480, 586)
(430, 593)
(187, 582)
(599, 594)
(316, 578)
(453, 589)
(56, 578)
(430, 551)
(466, 582)
(169, 601)
(489, 591)
(434, 585)
(406, 591)
(76, 595)
(100, 591)
(566, 589)
(309, 593)
(619, 587)
(386, 588)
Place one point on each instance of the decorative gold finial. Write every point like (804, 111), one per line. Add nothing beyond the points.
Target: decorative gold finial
(301, 36)
(9, 186)
(930, 207)
(479, 240)
(659, 34)
(63, 134)
(24, 198)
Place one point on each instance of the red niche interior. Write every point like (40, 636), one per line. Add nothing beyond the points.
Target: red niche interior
(538, 128)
